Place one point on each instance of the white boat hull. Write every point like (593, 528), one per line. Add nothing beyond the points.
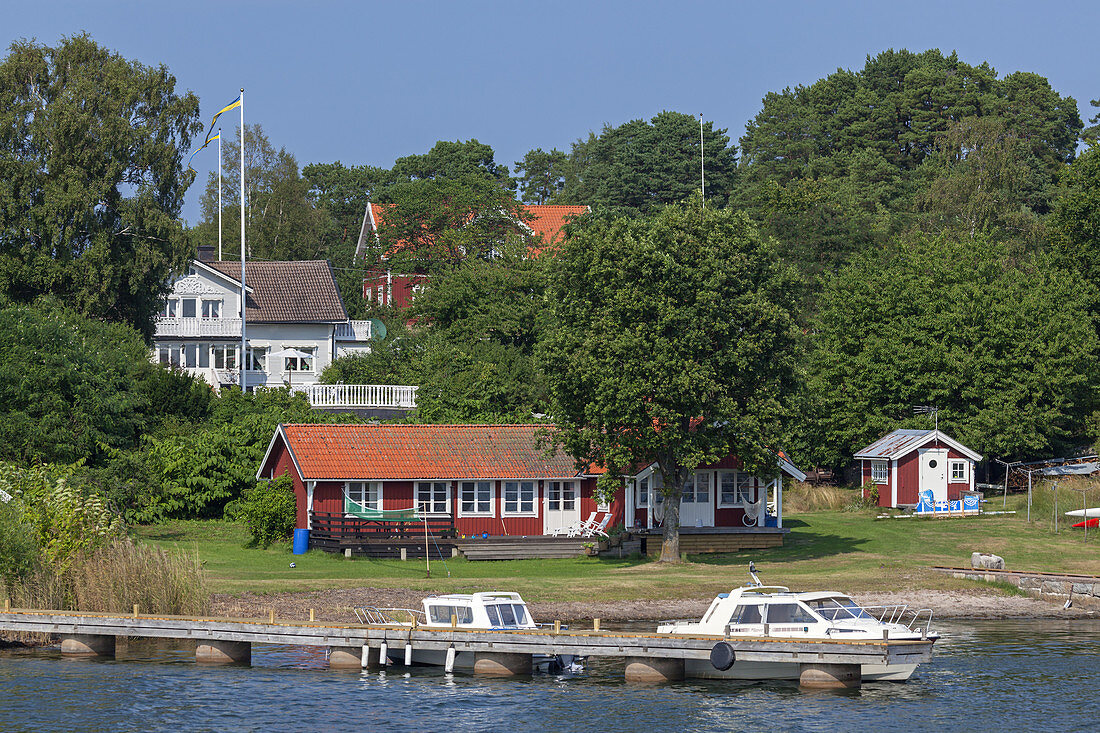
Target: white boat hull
(1092, 513)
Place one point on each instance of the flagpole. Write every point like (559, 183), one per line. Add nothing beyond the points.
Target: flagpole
(219, 194)
(702, 168)
(244, 296)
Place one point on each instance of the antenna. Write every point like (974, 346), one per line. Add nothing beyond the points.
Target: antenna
(928, 410)
(702, 170)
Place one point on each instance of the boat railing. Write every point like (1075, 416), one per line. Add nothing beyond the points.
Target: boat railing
(372, 615)
(914, 620)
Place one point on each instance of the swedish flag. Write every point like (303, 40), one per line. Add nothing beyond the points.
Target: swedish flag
(208, 141)
(209, 137)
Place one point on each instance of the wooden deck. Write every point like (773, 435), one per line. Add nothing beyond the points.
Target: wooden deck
(523, 548)
(367, 538)
(711, 540)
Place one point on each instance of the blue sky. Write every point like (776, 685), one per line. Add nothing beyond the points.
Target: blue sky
(366, 82)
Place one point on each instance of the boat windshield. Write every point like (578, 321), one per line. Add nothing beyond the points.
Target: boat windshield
(442, 614)
(506, 614)
(839, 609)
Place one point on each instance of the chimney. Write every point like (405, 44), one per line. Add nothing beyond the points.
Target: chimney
(207, 253)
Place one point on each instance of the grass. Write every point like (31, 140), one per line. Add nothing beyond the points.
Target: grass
(844, 550)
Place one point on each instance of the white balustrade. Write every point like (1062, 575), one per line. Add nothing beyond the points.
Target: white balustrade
(183, 327)
(353, 331)
(394, 396)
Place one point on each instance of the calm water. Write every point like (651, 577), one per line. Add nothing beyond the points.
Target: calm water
(995, 675)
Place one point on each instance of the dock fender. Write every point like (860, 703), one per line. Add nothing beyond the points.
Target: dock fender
(722, 656)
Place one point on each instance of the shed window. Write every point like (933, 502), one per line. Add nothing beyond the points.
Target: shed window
(958, 471)
(367, 494)
(697, 489)
(878, 472)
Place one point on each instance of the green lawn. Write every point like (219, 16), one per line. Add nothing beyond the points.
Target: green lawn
(840, 550)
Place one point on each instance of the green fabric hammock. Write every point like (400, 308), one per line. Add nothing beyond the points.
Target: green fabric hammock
(412, 514)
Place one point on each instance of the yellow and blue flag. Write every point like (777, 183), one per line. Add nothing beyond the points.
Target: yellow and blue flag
(208, 141)
(211, 138)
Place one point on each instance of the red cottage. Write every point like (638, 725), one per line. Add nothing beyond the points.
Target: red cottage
(906, 462)
(499, 480)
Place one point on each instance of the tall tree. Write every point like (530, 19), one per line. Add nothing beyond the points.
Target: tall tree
(641, 166)
(669, 339)
(1003, 344)
(281, 221)
(91, 178)
(1075, 223)
(453, 160)
(541, 175)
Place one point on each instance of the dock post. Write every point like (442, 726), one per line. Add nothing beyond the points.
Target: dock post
(654, 669)
(87, 645)
(214, 651)
(404, 554)
(502, 664)
(830, 676)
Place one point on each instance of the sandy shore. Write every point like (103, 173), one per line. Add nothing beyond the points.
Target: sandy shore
(337, 605)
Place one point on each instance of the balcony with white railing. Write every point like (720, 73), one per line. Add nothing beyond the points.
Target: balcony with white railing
(197, 327)
(361, 396)
(353, 331)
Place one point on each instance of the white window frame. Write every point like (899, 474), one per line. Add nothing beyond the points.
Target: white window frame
(432, 501)
(211, 309)
(194, 304)
(882, 475)
(256, 354)
(575, 492)
(744, 488)
(367, 494)
(964, 475)
(519, 502)
(642, 489)
(229, 356)
(171, 308)
(476, 487)
(293, 363)
(691, 488)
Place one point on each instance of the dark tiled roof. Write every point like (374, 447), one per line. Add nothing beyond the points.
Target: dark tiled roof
(288, 292)
(406, 452)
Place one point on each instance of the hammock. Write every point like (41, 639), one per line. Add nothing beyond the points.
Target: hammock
(412, 514)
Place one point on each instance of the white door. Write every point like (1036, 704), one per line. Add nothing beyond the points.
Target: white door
(933, 472)
(563, 506)
(697, 501)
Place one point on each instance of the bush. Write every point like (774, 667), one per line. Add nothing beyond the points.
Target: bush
(18, 549)
(268, 510)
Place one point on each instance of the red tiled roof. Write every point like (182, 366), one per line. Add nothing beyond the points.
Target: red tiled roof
(547, 220)
(407, 452)
(288, 292)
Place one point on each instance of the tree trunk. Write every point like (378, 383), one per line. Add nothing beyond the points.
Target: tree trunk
(670, 545)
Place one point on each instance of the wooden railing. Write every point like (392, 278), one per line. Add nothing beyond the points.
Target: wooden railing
(394, 396)
(347, 530)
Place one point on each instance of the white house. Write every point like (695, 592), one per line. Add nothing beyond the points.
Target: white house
(290, 306)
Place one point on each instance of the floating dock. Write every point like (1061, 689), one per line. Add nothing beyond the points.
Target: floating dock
(648, 657)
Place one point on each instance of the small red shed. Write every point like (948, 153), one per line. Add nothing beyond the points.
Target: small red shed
(906, 462)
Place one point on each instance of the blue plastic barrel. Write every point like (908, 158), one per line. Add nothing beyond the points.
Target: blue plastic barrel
(301, 541)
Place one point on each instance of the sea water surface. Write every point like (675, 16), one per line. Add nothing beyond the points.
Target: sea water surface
(986, 676)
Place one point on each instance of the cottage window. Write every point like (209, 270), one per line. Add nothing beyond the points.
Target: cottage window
(697, 488)
(643, 492)
(737, 488)
(189, 306)
(170, 306)
(367, 494)
(169, 355)
(434, 496)
(300, 363)
(878, 472)
(561, 496)
(211, 309)
(476, 497)
(519, 497)
(958, 471)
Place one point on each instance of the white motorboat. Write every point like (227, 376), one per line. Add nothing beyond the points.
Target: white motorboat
(475, 611)
(761, 611)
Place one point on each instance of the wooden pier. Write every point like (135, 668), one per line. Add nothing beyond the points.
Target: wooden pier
(648, 657)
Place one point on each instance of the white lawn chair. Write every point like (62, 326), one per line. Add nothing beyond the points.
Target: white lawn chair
(579, 528)
(598, 528)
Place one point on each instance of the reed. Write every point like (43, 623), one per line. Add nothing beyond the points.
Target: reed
(117, 576)
(800, 498)
(1075, 492)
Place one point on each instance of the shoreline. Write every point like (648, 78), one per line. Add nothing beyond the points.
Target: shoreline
(337, 605)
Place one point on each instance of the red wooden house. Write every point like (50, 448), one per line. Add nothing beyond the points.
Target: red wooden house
(386, 287)
(906, 462)
(491, 479)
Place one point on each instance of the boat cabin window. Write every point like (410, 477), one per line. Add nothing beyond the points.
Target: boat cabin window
(746, 615)
(506, 614)
(442, 614)
(789, 613)
(841, 608)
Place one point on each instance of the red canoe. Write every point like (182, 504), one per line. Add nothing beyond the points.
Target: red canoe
(1090, 523)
